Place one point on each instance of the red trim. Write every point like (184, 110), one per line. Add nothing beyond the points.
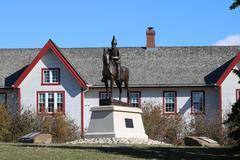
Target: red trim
(235, 61)
(139, 99)
(52, 46)
(82, 112)
(175, 103)
(63, 92)
(42, 76)
(196, 113)
(19, 100)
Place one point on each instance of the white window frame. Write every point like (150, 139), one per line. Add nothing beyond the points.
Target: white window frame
(170, 102)
(57, 101)
(197, 102)
(53, 76)
(136, 100)
(103, 95)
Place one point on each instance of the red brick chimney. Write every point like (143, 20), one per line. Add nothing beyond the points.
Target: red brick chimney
(150, 37)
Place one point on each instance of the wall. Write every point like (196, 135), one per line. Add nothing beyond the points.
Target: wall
(12, 99)
(155, 96)
(229, 86)
(32, 83)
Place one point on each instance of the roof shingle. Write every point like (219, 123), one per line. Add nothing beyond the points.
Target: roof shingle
(162, 66)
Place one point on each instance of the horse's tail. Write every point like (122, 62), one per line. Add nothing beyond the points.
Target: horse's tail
(125, 74)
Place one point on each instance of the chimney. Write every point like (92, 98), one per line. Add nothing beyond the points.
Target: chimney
(150, 37)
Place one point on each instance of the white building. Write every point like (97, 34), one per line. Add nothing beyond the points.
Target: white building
(185, 80)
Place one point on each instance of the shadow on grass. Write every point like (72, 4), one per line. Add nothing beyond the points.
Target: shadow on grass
(166, 153)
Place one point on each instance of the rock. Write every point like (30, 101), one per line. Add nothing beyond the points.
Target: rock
(127, 141)
(36, 137)
(200, 141)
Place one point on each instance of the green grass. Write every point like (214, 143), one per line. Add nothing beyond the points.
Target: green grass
(11, 151)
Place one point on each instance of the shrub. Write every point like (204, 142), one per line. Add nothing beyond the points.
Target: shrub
(13, 126)
(173, 128)
(167, 128)
(4, 123)
(61, 127)
(22, 124)
(212, 128)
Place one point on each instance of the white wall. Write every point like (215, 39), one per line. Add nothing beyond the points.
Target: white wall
(229, 86)
(32, 83)
(155, 96)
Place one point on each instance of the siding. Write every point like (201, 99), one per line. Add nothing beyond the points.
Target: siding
(32, 83)
(155, 96)
(229, 86)
(12, 99)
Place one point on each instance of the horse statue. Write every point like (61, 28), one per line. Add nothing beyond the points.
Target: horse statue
(110, 73)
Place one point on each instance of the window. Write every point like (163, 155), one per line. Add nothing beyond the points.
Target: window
(50, 102)
(135, 99)
(59, 102)
(197, 99)
(50, 76)
(103, 95)
(3, 99)
(169, 102)
(237, 94)
(41, 102)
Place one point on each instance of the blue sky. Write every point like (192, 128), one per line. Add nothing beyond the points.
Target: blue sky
(91, 23)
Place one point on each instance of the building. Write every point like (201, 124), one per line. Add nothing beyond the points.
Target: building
(186, 80)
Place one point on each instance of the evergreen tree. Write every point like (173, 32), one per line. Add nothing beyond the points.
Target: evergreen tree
(233, 120)
(235, 4)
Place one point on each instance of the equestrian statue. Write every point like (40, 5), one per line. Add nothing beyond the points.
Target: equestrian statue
(113, 71)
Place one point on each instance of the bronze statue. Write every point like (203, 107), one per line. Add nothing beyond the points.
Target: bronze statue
(115, 56)
(113, 71)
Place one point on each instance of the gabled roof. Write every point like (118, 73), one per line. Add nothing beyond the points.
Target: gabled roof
(49, 45)
(162, 66)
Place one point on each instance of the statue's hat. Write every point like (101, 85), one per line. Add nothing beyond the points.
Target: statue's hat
(114, 41)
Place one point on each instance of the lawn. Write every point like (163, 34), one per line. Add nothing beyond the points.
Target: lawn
(11, 151)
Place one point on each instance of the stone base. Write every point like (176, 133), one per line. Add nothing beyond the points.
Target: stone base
(116, 122)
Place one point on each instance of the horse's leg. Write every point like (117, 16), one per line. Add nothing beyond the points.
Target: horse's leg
(106, 86)
(120, 89)
(111, 87)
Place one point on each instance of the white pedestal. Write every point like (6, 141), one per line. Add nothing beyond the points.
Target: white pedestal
(116, 122)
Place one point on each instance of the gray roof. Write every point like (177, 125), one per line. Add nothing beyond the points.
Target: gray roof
(162, 66)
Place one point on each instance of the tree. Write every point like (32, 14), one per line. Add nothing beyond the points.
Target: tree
(233, 120)
(235, 4)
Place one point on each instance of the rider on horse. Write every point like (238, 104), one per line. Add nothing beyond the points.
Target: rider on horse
(112, 69)
(115, 57)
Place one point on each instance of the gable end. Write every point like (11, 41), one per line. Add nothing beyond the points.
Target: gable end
(52, 46)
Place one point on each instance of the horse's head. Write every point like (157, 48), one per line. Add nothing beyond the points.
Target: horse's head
(106, 57)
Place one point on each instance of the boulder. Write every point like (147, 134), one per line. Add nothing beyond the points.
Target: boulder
(200, 141)
(37, 138)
